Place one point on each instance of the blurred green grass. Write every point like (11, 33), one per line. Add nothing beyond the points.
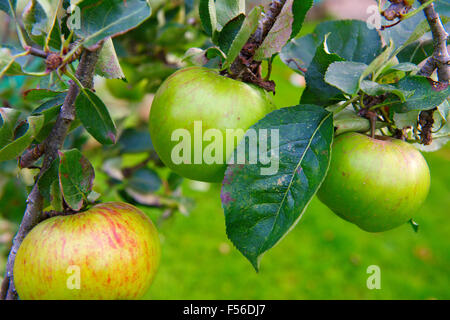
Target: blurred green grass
(324, 257)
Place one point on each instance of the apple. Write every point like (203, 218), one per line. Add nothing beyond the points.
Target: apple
(197, 100)
(111, 251)
(377, 184)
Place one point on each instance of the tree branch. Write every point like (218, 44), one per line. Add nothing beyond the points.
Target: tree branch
(244, 67)
(51, 145)
(440, 59)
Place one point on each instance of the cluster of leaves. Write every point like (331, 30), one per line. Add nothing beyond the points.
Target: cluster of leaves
(230, 28)
(33, 93)
(348, 73)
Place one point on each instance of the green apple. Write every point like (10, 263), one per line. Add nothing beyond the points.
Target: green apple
(110, 251)
(377, 184)
(199, 101)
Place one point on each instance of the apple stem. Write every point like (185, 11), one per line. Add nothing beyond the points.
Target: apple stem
(51, 145)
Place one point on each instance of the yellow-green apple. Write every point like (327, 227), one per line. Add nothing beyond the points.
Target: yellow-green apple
(198, 117)
(110, 251)
(377, 184)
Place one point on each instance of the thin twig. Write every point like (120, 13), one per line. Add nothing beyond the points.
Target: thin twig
(54, 142)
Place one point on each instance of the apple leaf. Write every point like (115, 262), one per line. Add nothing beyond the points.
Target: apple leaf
(103, 19)
(261, 205)
(8, 120)
(350, 39)
(207, 10)
(427, 94)
(8, 6)
(108, 65)
(35, 95)
(48, 178)
(317, 90)
(144, 181)
(229, 32)
(28, 132)
(95, 117)
(287, 25)
(135, 141)
(376, 89)
(76, 177)
(247, 29)
(8, 65)
(227, 10)
(345, 75)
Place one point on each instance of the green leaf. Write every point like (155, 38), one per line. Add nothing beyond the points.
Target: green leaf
(427, 95)
(345, 75)
(248, 28)
(41, 23)
(229, 32)
(35, 21)
(317, 90)
(19, 145)
(50, 109)
(261, 209)
(207, 9)
(287, 26)
(377, 64)
(376, 89)
(108, 65)
(227, 10)
(406, 67)
(8, 120)
(350, 39)
(95, 117)
(135, 141)
(144, 181)
(8, 66)
(50, 176)
(103, 19)
(76, 177)
(8, 6)
(35, 95)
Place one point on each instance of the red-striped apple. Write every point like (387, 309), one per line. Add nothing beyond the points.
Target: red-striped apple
(110, 251)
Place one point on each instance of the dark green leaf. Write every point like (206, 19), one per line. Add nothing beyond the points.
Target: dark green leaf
(229, 32)
(350, 39)
(8, 120)
(135, 141)
(145, 180)
(299, 9)
(207, 9)
(95, 117)
(35, 95)
(317, 90)
(427, 95)
(227, 10)
(248, 28)
(376, 89)
(261, 209)
(8, 6)
(103, 19)
(76, 177)
(48, 178)
(15, 148)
